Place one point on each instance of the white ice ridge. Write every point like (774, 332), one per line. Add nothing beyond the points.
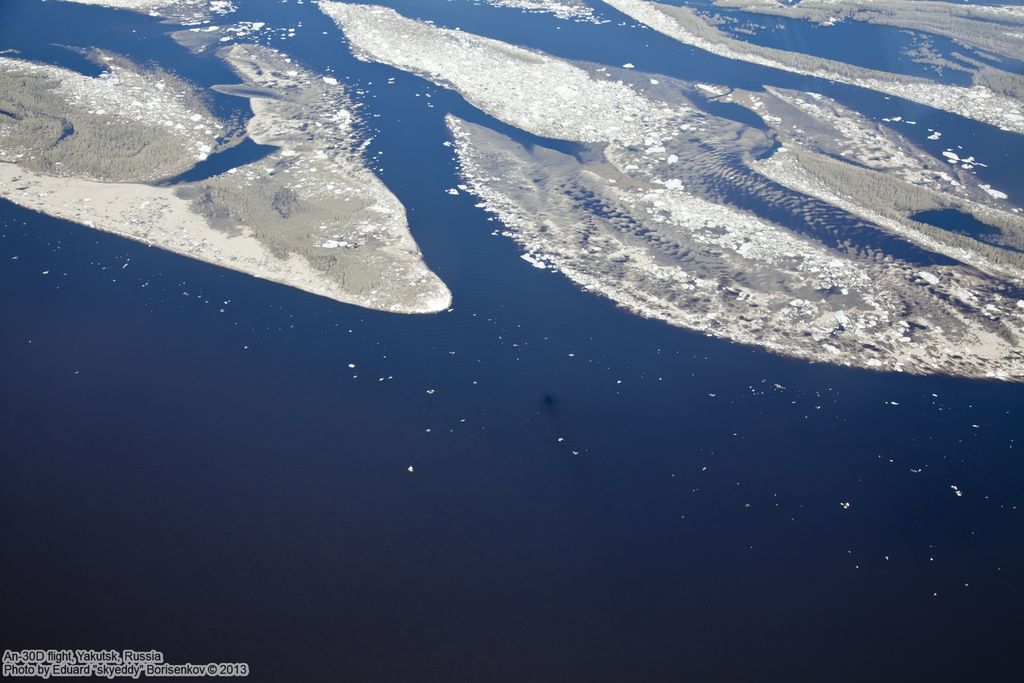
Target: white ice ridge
(189, 11)
(563, 9)
(538, 93)
(686, 26)
(127, 96)
(137, 5)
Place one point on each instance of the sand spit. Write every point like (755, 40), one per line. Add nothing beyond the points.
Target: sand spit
(643, 213)
(311, 215)
(685, 25)
(665, 253)
(315, 197)
(156, 216)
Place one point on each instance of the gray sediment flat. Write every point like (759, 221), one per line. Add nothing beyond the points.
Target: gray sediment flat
(125, 124)
(311, 215)
(643, 215)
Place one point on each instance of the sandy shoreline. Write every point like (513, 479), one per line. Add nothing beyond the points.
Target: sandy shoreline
(311, 215)
(157, 217)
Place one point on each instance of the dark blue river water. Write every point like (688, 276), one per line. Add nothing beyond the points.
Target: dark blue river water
(189, 464)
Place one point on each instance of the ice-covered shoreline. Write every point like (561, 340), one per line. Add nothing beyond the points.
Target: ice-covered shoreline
(576, 10)
(156, 216)
(186, 12)
(641, 215)
(272, 219)
(316, 190)
(991, 28)
(664, 253)
(686, 26)
(155, 104)
(567, 103)
(837, 155)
